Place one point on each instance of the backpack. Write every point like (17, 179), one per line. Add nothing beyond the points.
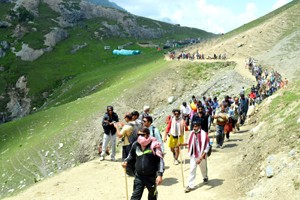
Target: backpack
(133, 136)
(152, 132)
(210, 149)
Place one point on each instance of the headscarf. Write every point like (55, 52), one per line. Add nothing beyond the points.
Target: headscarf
(155, 145)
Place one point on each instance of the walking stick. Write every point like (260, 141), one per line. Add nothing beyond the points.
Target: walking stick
(179, 151)
(181, 167)
(126, 183)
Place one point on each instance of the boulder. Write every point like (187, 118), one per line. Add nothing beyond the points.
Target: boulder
(29, 54)
(21, 83)
(269, 171)
(2, 53)
(19, 31)
(19, 105)
(171, 99)
(5, 45)
(55, 36)
(4, 24)
(77, 47)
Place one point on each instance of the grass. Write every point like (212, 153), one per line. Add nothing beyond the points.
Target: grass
(61, 73)
(38, 133)
(205, 70)
(287, 107)
(260, 20)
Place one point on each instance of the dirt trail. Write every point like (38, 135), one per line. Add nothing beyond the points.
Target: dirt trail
(105, 180)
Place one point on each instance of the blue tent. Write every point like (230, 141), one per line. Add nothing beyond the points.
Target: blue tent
(124, 52)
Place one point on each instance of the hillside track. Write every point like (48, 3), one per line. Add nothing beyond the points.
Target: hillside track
(105, 180)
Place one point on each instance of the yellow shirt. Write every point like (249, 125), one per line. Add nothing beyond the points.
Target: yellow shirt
(125, 132)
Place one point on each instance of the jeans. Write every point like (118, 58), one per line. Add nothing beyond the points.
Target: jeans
(140, 182)
(106, 139)
(219, 134)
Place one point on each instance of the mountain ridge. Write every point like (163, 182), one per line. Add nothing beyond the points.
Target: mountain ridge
(34, 30)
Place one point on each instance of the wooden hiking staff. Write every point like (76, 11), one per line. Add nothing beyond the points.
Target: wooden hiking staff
(126, 183)
(182, 175)
(181, 160)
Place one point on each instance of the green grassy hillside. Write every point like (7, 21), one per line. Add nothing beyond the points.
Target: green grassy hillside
(87, 67)
(24, 143)
(260, 20)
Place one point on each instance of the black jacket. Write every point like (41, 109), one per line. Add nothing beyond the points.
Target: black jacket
(203, 121)
(109, 129)
(146, 164)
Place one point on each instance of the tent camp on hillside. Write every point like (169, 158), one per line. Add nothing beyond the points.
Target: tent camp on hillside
(124, 52)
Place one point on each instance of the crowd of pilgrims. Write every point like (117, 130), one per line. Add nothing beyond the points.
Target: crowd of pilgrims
(143, 144)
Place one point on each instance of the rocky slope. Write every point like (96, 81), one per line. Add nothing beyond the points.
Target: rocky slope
(23, 21)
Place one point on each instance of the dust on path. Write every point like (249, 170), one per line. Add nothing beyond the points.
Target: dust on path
(106, 180)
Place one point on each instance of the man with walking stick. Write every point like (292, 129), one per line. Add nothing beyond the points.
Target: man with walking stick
(149, 165)
(198, 147)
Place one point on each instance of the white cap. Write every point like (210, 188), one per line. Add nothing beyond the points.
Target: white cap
(146, 108)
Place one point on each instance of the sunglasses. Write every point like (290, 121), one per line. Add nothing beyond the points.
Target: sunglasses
(143, 135)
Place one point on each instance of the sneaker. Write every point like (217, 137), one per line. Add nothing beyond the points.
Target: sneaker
(218, 146)
(101, 158)
(187, 189)
(113, 159)
(205, 180)
(176, 162)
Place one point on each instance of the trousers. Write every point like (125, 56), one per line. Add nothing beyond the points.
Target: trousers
(112, 139)
(193, 167)
(140, 182)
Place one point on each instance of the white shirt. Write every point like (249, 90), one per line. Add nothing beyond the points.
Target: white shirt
(185, 110)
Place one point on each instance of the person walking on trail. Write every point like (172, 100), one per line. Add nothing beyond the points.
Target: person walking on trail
(185, 111)
(209, 111)
(221, 120)
(235, 118)
(175, 131)
(109, 118)
(198, 147)
(215, 105)
(154, 132)
(149, 165)
(145, 113)
(228, 126)
(135, 117)
(128, 139)
(243, 109)
(202, 118)
(242, 90)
